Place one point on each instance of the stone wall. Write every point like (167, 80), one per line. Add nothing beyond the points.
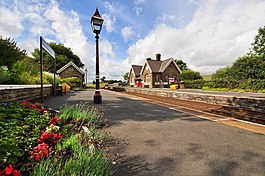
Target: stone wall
(71, 72)
(11, 93)
(251, 103)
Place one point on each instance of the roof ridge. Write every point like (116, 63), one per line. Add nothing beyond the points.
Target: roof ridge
(69, 64)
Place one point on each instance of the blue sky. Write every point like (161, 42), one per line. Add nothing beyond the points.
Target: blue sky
(206, 34)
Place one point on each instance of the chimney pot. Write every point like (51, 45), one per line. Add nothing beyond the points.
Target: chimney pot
(158, 57)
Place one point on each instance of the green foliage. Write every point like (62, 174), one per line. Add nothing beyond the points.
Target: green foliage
(194, 84)
(83, 163)
(48, 79)
(80, 111)
(7, 77)
(191, 79)
(258, 46)
(126, 76)
(103, 79)
(182, 65)
(72, 81)
(247, 72)
(63, 56)
(20, 128)
(20, 68)
(80, 152)
(23, 71)
(207, 77)
(10, 53)
(190, 75)
(26, 71)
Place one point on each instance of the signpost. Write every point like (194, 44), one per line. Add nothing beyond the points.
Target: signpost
(46, 47)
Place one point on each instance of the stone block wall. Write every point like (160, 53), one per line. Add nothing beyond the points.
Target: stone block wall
(29, 93)
(255, 104)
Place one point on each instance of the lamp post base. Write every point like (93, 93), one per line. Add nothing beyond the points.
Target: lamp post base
(97, 98)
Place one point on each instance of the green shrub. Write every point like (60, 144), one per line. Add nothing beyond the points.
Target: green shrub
(189, 74)
(194, 84)
(72, 81)
(7, 77)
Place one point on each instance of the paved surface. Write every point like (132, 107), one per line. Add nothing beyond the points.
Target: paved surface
(153, 140)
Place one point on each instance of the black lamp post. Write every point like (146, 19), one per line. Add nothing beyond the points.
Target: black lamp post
(96, 25)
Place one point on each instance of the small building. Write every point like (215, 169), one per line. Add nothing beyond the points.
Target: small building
(71, 70)
(135, 76)
(155, 73)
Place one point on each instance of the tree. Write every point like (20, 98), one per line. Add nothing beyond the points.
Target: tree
(188, 75)
(63, 56)
(248, 67)
(126, 76)
(103, 79)
(10, 53)
(258, 46)
(182, 65)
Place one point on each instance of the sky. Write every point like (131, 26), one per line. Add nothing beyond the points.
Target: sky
(206, 34)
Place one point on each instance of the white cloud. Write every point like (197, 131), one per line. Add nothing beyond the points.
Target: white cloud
(193, 1)
(10, 23)
(137, 2)
(106, 49)
(219, 33)
(168, 18)
(109, 22)
(127, 33)
(138, 10)
(67, 28)
(54, 24)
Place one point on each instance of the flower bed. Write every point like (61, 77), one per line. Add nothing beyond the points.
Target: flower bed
(34, 141)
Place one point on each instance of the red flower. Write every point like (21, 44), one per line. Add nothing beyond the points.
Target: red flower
(41, 110)
(40, 151)
(49, 138)
(16, 173)
(34, 106)
(9, 171)
(55, 120)
(24, 103)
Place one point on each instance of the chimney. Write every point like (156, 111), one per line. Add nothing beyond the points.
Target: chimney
(158, 57)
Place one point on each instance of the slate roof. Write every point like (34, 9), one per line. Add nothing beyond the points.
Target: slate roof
(137, 70)
(159, 66)
(68, 65)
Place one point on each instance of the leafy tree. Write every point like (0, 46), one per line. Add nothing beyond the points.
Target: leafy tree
(247, 72)
(242, 74)
(63, 56)
(182, 65)
(10, 53)
(258, 46)
(126, 76)
(222, 78)
(190, 75)
(103, 79)
(248, 67)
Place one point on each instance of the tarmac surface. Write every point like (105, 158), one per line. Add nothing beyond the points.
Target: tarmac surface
(149, 139)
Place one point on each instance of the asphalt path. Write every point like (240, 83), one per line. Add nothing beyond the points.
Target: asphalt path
(149, 139)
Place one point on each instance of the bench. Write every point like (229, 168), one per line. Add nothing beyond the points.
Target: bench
(59, 90)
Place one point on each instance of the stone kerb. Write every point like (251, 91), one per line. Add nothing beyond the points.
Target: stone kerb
(23, 92)
(251, 103)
